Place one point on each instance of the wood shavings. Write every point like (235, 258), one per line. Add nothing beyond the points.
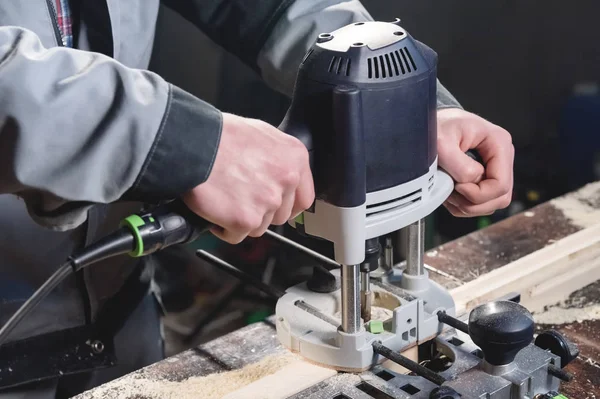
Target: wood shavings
(559, 315)
(381, 314)
(581, 207)
(214, 386)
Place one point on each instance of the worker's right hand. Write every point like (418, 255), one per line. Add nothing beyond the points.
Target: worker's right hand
(261, 176)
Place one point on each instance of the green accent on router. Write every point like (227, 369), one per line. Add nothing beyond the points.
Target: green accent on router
(299, 219)
(376, 327)
(133, 222)
(257, 316)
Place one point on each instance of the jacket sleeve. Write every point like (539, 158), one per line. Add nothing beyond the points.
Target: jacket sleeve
(296, 30)
(78, 128)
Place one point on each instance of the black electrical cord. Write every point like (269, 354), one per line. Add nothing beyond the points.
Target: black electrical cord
(140, 235)
(120, 242)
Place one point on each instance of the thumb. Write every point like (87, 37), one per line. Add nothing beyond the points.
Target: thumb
(458, 164)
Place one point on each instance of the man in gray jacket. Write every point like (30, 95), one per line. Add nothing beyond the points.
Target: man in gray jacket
(88, 135)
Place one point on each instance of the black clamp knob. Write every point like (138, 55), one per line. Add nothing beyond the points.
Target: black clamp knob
(501, 329)
(444, 392)
(322, 281)
(556, 343)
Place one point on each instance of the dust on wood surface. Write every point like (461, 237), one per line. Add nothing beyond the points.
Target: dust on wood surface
(577, 319)
(581, 207)
(482, 251)
(213, 386)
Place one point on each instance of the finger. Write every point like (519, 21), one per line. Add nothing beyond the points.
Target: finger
(499, 158)
(469, 209)
(454, 210)
(229, 236)
(284, 213)
(231, 228)
(459, 165)
(305, 194)
(258, 232)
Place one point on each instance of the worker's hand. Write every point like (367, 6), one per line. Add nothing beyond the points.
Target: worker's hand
(478, 190)
(261, 176)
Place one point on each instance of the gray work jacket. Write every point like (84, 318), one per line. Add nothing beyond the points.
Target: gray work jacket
(88, 134)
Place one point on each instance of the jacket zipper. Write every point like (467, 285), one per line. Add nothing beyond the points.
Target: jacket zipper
(54, 16)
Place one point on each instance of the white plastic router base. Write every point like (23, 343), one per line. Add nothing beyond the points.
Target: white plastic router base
(383, 212)
(320, 342)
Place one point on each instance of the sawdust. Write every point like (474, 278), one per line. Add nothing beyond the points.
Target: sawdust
(381, 314)
(581, 207)
(214, 386)
(385, 300)
(557, 315)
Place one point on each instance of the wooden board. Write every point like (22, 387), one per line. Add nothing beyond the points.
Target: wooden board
(540, 234)
(544, 277)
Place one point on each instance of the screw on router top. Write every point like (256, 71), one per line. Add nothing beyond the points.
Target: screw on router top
(324, 37)
(97, 346)
(398, 33)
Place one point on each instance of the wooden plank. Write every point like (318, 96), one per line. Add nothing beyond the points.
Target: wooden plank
(289, 380)
(501, 243)
(464, 260)
(542, 277)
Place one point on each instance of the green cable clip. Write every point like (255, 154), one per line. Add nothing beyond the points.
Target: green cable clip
(134, 222)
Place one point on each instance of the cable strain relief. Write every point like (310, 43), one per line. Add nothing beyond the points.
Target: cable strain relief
(133, 223)
(75, 264)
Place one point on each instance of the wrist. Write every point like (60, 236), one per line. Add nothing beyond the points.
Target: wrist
(183, 151)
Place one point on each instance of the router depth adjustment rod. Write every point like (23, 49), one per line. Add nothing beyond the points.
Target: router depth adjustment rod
(350, 299)
(415, 248)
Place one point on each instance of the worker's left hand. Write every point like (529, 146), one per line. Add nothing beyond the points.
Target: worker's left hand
(478, 190)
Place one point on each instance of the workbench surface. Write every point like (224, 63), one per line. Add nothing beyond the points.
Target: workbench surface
(456, 262)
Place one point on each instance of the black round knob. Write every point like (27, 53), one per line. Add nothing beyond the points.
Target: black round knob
(501, 329)
(322, 281)
(444, 392)
(556, 343)
(372, 254)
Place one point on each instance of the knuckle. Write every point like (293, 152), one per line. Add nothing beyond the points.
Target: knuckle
(505, 188)
(506, 200)
(290, 177)
(305, 203)
(300, 150)
(246, 221)
(506, 137)
(272, 199)
(468, 174)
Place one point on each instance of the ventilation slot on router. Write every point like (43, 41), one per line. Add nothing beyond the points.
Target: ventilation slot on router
(339, 66)
(394, 204)
(394, 63)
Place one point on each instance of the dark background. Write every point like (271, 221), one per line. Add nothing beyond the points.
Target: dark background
(514, 63)
(520, 64)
